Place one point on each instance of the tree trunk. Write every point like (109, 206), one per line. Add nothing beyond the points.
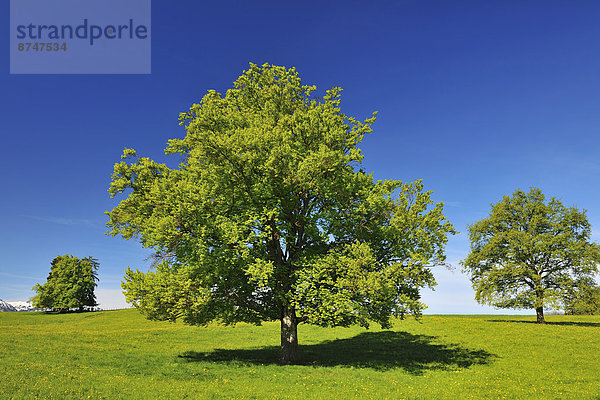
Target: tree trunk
(289, 336)
(540, 315)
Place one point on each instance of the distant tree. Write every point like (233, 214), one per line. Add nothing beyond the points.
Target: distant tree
(69, 285)
(529, 253)
(584, 299)
(269, 217)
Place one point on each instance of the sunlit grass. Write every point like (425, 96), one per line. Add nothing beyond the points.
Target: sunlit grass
(118, 354)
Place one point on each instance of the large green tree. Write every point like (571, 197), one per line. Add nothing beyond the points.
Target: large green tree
(529, 253)
(69, 285)
(268, 216)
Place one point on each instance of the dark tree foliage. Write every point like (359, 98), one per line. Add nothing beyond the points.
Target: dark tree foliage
(583, 299)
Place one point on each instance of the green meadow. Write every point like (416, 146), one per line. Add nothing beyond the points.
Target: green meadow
(120, 355)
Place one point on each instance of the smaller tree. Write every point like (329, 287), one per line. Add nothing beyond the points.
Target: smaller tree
(69, 285)
(530, 253)
(583, 299)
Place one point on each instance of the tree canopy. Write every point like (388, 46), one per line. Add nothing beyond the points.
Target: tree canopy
(69, 285)
(269, 216)
(530, 253)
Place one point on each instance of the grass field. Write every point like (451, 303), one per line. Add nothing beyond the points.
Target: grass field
(118, 354)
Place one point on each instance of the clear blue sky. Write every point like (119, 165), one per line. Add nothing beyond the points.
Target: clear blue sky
(476, 98)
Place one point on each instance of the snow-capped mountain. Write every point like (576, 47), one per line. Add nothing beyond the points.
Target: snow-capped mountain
(22, 306)
(16, 306)
(4, 306)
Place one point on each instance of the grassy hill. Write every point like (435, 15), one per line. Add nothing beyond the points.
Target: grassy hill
(118, 354)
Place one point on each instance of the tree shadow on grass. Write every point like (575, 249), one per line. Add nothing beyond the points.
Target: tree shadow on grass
(57, 313)
(376, 350)
(559, 323)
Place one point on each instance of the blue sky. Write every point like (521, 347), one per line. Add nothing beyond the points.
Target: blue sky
(475, 98)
